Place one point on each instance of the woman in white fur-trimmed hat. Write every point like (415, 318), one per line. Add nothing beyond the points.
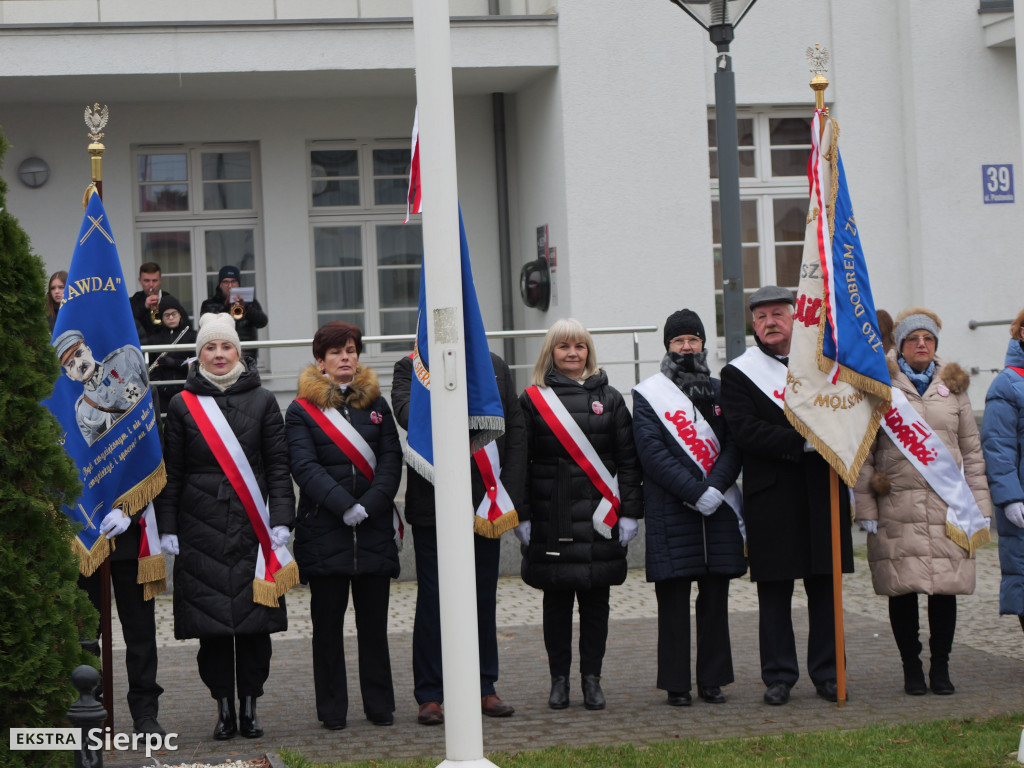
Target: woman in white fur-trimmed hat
(226, 513)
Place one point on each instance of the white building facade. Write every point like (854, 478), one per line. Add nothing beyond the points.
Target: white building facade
(274, 135)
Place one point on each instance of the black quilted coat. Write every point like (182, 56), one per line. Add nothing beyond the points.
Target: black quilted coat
(214, 571)
(329, 483)
(562, 499)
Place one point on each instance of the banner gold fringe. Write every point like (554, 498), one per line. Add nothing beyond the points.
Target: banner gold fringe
(959, 538)
(90, 560)
(136, 499)
(847, 474)
(494, 529)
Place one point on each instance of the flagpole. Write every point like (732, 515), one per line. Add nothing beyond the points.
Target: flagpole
(818, 84)
(460, 655)
(96, 120)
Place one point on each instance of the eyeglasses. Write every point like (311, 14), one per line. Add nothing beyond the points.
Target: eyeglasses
(927, 338)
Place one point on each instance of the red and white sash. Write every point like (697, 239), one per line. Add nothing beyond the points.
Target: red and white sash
(690, 430)
(344, 435)
(276, 571)
(152, 569)
(965, 525)
(767, 373)
(582, 452)
(496, 513)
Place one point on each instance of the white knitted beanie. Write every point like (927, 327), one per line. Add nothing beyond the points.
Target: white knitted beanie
(217, 327)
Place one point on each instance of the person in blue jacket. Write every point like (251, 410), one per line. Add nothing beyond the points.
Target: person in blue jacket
(693, 534)
(1002, 440)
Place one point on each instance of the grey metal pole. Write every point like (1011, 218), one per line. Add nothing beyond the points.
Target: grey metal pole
(733, 304)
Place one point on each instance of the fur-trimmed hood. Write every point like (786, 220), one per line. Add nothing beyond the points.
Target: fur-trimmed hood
(953, 375)
(361, 394)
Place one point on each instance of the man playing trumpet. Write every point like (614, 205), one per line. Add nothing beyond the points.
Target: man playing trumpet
(146, 303)
(248, 315)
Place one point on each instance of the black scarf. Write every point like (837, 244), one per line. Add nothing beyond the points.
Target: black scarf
(689, 372)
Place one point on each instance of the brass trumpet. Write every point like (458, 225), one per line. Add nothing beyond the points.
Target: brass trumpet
(238, 310)
(154, 317)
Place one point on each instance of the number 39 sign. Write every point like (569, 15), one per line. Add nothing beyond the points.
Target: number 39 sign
(997, 183)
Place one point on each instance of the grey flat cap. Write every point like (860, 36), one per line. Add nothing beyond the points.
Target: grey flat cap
(770, 294)
(66, 342)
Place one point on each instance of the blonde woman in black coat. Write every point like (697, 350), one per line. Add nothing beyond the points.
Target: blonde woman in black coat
(345, 538)
(204, 521)
(574, 547)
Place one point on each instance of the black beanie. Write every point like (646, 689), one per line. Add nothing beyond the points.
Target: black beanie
(685, 321)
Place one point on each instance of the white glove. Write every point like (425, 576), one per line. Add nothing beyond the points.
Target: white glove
(709, 501)
(279, 536)
(808, 448)
(115, 523)
(1015, 513)
(627, 529)
(522, 532)
(871, 526)
(354, 515)
(169, 543)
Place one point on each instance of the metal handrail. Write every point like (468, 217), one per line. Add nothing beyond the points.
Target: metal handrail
(972, 324)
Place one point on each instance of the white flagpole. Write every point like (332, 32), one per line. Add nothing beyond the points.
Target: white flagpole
(460, 654)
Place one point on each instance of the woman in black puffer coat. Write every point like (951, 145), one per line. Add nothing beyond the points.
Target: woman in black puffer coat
(203, 522)
(693, 534)
(346, 536)
(564, 554)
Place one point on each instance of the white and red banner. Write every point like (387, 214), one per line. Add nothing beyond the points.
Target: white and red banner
(569, 434)
(276, 571)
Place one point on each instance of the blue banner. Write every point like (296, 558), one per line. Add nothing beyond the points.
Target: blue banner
(486, 415)
(102, 399)
(861, 352)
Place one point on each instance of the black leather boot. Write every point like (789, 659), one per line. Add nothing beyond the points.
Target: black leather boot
(593, 696)
(227, 726)
(913, 677)
(942, 622)
(247, 722)
(559, 698)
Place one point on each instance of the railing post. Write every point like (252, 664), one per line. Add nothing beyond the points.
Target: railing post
(636, 357)
(87, 714)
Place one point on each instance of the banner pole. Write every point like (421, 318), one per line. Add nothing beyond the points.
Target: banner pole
(837, 589)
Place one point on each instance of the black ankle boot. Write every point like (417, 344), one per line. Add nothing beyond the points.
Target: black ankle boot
(938, 677)
(559, 698)
(593, 696)
(913, 677)
(247, 722)
(227, 726)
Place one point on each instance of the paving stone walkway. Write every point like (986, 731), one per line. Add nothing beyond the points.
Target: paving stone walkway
(987, 667)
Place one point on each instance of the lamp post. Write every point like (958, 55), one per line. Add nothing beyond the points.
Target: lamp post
(719, 18)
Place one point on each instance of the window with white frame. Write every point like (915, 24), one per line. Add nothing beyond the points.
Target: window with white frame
(773, 150)
(197, 209)
(366, 262)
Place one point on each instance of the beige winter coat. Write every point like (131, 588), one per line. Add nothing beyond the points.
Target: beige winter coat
(911, 552)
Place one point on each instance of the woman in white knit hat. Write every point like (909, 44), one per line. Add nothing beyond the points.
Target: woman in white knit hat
(923, 498)
(226, 512)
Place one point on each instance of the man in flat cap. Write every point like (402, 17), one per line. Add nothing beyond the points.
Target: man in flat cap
(111, 387)
(786, 504)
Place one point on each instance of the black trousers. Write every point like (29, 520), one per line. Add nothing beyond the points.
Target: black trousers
(242, 659)
(426, 635)
(138, 628)
(714, 650)
(905, 622)
(778, 644)
(593, 608)
(328, 603)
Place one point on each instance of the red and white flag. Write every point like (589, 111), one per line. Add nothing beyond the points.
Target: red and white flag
(414, 198)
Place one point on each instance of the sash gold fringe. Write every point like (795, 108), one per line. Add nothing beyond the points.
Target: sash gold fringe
(286, 578)
(152, 568)
(959, 538)
(153, 588)
(493, 529)
(268, 593)
(137, 498)
(90, 560)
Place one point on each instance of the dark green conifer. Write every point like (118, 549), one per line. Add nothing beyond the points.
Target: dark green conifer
(43, 613)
